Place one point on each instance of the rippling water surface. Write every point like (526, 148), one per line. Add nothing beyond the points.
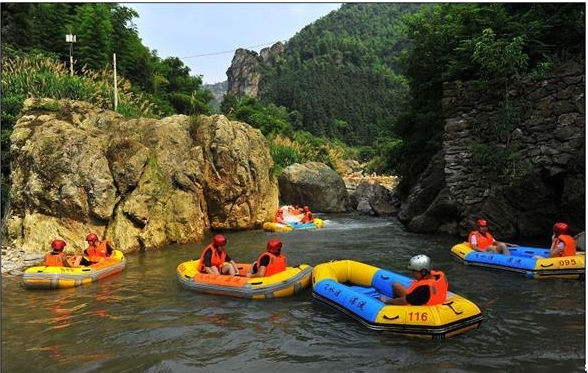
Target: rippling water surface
(143, 321)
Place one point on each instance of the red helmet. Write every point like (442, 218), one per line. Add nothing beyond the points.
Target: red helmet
(306, 208)
(91, 237)
(274, 246)
(58, 245)
(481, 223)
(219, 240)
(560, 228)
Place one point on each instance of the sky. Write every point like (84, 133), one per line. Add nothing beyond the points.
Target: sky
(205, 35)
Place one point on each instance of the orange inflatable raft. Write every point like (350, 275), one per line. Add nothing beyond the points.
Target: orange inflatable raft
(283, 284)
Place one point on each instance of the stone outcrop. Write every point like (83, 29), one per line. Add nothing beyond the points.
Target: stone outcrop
(141, 183)
(314, 184)
(373, 195)
(546, 132)
(244, 73)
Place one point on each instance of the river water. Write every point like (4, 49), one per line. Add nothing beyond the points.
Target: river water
(143, 321)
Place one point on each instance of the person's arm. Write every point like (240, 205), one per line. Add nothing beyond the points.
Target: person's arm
(261, 267)
(474, 243)
(556, 249)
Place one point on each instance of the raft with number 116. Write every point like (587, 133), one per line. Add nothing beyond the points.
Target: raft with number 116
(353, 288)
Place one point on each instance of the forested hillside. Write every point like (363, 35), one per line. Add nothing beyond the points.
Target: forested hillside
(340, 73)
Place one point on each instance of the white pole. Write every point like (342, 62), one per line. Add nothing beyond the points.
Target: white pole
(115, 87)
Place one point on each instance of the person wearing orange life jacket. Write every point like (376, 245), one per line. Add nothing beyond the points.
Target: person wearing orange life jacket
(562, 244)
(429, 287)
(270, 262)
(215, 260)
(279, 217)
(307, 218)
(482, 240)
(97, 250)
(57, 258)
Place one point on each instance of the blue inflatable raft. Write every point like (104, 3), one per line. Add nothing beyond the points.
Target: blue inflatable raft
(533, 262)
(353, 288)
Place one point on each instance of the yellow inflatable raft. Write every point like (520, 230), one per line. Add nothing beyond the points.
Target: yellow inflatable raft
(283, 284)
(353, 288)
(45, 277)
(277, 227)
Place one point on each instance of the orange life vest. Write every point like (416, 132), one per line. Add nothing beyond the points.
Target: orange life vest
(437, 287)
(94, 254)
(55, 260)
(483, 240)
(279, 216)
(307, 218)
(569, 245)
(276, 264)
(216, 259)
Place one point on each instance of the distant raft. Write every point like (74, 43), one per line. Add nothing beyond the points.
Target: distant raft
(283, 284)
(353, 288)
(277, 227)
(47, 277)
(532, 262)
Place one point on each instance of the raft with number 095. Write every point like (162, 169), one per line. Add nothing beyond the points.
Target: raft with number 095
(277, 227)
(533, 262)
(282, 284)
(353, 288)
(49, 277)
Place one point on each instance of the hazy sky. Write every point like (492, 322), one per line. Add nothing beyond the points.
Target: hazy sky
(205, 35)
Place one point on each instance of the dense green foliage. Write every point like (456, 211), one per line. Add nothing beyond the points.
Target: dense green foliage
(340, 74)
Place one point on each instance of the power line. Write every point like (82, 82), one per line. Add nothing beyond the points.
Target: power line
(230, 51)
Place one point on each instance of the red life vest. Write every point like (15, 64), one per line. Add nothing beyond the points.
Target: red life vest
(216, 259)
(307, 218)
(437, 287)
(276, 264)
(569, 245)
(483, 240)
(55, 260)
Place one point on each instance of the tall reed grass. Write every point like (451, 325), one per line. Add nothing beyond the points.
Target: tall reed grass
(39, 76)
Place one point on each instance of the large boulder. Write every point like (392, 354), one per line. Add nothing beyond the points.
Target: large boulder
(314, 184)
(141, 183)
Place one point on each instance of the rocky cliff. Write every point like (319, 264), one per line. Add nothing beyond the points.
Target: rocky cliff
(536, 135)
(141, 183)
(245, 70)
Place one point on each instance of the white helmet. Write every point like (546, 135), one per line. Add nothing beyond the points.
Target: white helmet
(419, 262)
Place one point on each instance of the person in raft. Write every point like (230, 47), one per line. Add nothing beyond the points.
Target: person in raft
(270, 262)
(481, 240)
(57, 258)
(215, 260)
(97, 249)
(562, 244)
(428, 288)
(307, 218)
(279, 217)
